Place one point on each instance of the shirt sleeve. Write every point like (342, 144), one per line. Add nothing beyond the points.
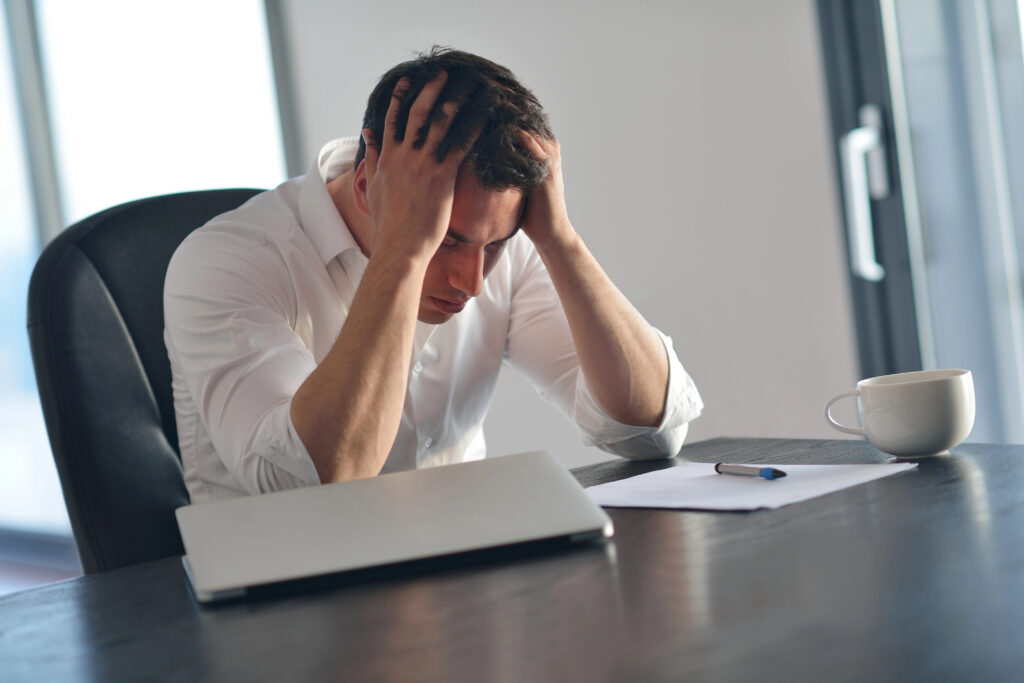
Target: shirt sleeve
(540, 346)
(229, 326)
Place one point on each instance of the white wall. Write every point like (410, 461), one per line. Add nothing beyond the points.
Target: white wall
(698, 167)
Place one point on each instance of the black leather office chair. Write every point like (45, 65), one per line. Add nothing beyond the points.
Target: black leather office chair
(95, 324)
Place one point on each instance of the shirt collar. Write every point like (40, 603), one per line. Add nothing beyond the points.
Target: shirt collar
(320, 218)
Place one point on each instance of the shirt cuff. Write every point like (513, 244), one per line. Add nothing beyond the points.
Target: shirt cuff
(277, 459)
(682, 405)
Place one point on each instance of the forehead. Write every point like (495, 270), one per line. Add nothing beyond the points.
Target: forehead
(481, 214)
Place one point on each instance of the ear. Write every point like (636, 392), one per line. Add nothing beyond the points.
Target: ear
(359, 183)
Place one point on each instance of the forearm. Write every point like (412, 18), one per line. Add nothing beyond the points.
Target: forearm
(348, 410)
(622, 358)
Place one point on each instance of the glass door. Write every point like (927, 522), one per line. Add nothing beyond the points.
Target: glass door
(927, 100)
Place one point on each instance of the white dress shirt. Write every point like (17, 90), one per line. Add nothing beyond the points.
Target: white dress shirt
(255, 299)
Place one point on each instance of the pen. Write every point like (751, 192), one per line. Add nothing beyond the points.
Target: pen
(750, 471)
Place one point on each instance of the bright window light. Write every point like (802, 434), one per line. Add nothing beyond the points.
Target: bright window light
(150, 98)
(30, 495)
(145, 99)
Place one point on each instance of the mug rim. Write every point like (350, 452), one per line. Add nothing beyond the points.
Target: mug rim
(915, 377)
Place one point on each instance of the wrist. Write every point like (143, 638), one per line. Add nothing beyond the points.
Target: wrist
(403, 250)
(561, 240)
(398, 264)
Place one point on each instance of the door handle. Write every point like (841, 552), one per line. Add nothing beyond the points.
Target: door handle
(862, 157)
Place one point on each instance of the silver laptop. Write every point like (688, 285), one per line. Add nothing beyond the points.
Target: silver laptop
(400, 520)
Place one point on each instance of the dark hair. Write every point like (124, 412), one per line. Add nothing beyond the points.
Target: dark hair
(489, 96)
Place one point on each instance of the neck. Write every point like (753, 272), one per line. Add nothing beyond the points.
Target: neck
(340, 190)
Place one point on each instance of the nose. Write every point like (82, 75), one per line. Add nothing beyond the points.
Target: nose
(467, 273)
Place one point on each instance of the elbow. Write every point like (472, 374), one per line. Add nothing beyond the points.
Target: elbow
(651, 446)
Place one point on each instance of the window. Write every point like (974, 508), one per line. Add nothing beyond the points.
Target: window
(138, 99)
(939, 85)
(29, 492)
(149, 98)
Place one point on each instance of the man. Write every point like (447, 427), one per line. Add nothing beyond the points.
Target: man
(353, 321)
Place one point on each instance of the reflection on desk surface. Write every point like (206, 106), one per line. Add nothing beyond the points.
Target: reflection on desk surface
(903, 578)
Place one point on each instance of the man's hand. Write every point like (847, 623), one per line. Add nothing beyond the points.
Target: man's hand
(409, 192)
(546, 221)
(623, 360)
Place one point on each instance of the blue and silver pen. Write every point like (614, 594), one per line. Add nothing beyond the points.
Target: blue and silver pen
(750, 471)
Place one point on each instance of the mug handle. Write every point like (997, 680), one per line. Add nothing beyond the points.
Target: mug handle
(832, 420)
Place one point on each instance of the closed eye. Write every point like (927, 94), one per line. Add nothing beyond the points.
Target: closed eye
(452, 240)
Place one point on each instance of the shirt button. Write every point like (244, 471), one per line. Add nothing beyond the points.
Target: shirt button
(418, 368)
(428, 443)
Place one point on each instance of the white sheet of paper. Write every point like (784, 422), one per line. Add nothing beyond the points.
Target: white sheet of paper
(696, 486)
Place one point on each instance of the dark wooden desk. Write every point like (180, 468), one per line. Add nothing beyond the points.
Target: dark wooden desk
(919, 576)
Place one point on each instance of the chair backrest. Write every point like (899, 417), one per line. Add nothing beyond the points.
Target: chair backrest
(95, 323)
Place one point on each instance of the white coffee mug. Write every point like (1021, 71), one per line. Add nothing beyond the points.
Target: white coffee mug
(912, 414)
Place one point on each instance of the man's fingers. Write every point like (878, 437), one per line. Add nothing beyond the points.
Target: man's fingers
(391, 118)
(532, 145)
(419, 112)
(433, 132)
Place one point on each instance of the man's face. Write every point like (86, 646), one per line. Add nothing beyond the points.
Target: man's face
(482, 221)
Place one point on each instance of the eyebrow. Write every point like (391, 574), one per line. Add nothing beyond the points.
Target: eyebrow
(465, 240)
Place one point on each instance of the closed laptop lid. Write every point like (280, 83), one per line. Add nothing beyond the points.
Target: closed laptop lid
(234, 545)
